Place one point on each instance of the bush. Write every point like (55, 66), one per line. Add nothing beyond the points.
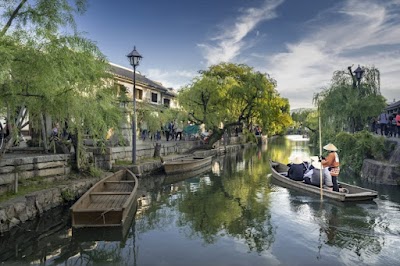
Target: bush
(354, 148)
(67, 195)
(95, 172)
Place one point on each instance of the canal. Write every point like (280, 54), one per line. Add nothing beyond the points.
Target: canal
(230, 214)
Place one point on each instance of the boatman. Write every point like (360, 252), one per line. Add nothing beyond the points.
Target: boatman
(331, 162)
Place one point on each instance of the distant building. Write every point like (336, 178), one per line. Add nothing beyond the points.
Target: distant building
(147, 90)
(393, 108)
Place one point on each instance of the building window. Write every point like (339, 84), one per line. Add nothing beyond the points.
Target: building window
(154, 97)
(139, 94)
(166, 102)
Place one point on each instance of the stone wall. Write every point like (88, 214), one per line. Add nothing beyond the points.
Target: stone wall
(380, 172)
(20, 168)
(21, 209)
(383, 172)
(106, 158)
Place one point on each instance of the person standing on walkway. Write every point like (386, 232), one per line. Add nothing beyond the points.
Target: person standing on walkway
(179, 130)
(383, 120)
(332, 163)
(398, 123)
(167, 130)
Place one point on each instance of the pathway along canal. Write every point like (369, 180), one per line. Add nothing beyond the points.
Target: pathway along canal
(231, 215)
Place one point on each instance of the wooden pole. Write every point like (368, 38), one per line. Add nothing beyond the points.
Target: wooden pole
(320, 151)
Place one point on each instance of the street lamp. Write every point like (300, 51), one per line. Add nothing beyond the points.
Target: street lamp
(134, 59)
(359, 73)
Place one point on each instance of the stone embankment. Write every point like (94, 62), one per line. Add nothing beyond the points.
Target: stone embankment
(384, 172)
(21, 209)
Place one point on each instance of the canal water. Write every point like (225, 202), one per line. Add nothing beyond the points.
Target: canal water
(230, 214)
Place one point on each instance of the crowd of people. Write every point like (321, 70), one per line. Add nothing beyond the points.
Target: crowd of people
(388, 125)
(172, 130)
(309, 170)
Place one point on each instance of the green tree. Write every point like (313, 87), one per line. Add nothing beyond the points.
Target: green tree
(50, 75)
(234, 94)
(345, 106)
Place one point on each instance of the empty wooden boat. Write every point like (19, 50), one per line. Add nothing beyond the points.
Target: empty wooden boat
(353, 193)
(108, 203)
(183, 165)
(174, 178)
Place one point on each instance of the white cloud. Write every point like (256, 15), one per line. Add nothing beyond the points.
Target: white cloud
(230, 42)
(367, 33)
(171, 79)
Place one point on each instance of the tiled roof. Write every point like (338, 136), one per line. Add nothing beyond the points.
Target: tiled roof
(128, 74)
(393, 105)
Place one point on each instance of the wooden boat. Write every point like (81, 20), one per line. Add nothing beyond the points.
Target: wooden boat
(177, 177)
(187, 164)
(353, 193)
(108, 203)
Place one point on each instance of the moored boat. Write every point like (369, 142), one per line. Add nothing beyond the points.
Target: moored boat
(187, 164)
(108, 203)
(353, 193)
(177, 177)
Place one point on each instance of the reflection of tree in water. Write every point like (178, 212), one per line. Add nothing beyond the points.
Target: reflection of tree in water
(235, 204)
(159, 213)
(92, 253)
(345, 226)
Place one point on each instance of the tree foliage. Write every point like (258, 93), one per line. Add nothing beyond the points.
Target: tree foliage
(344, 106)
(233, 94)
(51, 75)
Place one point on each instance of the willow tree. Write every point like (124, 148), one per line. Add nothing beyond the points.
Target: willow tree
(344, 106)
(233, 94)
(50, 75)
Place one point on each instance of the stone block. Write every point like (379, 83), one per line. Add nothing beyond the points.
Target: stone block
(13, 222)
(7, 178)
(380, 172)
(51, 164)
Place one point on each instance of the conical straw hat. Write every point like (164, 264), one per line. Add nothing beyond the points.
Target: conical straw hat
(317, 165)
(297, 160)
(330, 147)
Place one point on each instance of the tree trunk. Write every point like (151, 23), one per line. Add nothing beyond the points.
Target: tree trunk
(12, 17)
(157, 150)
(44, 135)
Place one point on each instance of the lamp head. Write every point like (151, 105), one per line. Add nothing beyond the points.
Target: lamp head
(359, 72)
(134, 57)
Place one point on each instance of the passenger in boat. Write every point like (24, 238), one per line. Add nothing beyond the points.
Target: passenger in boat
(312, 177)
(331, 162)
(297, 169)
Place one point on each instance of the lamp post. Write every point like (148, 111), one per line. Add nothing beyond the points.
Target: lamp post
(359, 73)
(134, 59)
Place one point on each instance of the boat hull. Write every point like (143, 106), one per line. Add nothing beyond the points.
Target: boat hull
(186, 164)
(108, 203)
(355, 193)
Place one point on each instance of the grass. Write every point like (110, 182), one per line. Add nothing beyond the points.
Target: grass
(31, 185)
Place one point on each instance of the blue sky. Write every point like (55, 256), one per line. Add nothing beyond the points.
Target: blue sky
(300, 43)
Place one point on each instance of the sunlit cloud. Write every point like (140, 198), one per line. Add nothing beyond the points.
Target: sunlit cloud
(231, 41)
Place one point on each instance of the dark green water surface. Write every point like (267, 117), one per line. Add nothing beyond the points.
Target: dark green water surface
(231, 214)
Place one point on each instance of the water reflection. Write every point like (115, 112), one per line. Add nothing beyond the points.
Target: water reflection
(214, 206)
(345, 226)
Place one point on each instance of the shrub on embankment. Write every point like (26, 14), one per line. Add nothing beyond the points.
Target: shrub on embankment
(354, 148)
